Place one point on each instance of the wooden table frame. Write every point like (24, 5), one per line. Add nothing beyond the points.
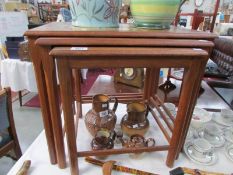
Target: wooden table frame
(44, 38)
(152, 58)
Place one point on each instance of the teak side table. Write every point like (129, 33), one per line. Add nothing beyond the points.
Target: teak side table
(121, 47)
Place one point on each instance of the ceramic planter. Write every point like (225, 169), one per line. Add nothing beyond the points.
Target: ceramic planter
(154, 13)
(95, 13)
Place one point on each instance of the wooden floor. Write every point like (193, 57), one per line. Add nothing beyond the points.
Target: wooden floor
(209, 100)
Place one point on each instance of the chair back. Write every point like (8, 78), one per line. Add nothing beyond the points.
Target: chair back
(8, 136)
(4, 119)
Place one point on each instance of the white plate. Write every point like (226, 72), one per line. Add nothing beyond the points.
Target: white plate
(218, 142)
(207, 160)
(229, 151)
(218, 119)
(228, 134)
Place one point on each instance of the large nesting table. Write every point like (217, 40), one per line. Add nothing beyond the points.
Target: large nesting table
(121, 47)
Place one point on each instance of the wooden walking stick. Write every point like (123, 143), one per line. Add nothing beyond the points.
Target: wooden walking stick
(184, 170)
(118, 167)
(25, 167)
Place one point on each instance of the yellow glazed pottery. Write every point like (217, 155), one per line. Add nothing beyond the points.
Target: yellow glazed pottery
(156, 14)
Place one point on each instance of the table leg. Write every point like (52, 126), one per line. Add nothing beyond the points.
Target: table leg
(151, 82)
(193, 102)
(41, 85)
(189, 81)
(52, 90)
(77, 86)
(65, 75)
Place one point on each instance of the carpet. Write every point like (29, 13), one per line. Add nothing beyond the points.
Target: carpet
(86, 85)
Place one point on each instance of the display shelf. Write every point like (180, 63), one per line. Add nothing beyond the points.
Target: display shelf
(122, 150)
(84, 146)
(38, 154)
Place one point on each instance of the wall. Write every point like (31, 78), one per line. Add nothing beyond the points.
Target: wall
(12, 24)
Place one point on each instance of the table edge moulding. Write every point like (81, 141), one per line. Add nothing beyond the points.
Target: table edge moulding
(65, 29)
(183, 49)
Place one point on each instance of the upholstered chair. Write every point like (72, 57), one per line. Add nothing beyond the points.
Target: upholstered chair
(9, 144)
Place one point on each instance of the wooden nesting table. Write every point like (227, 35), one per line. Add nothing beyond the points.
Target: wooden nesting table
(75, 48)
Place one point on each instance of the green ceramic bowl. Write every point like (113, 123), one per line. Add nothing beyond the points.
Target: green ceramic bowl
(156, 14)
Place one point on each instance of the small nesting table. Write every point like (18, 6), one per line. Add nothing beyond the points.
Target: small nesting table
(76, 48)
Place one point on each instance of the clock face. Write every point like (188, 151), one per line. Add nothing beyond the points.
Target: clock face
(199, 3)
(129, 73)
(130, 76)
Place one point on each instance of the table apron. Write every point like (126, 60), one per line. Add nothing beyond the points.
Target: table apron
(116, 62)
(85, 41)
